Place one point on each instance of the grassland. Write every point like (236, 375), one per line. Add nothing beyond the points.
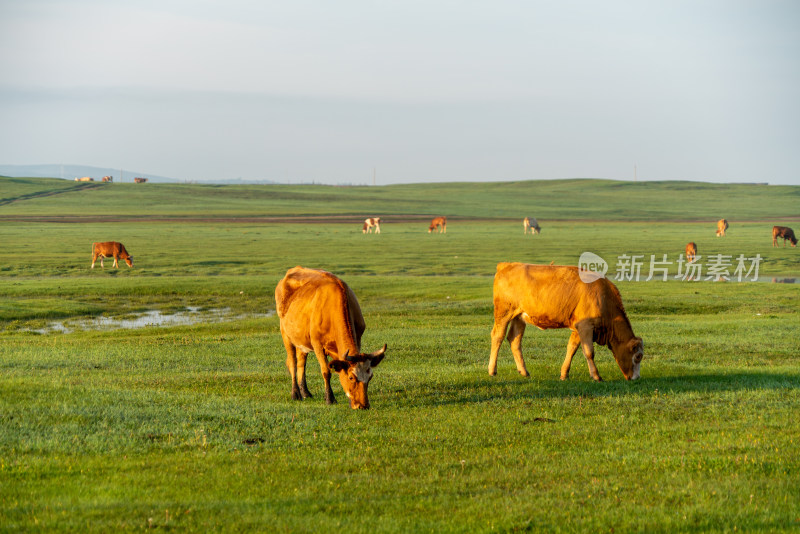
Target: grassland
(192, 428)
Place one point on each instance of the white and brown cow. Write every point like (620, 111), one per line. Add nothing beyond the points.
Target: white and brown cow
(722, 226)
(556, 297)
(318, 312)
(530, 224)
(370, 224)
(110, 249)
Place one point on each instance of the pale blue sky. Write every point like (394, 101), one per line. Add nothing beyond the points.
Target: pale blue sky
(324, 91)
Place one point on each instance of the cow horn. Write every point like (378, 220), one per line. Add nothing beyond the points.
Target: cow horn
(380, 352)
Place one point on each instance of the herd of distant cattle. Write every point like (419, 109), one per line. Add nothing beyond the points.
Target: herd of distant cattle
(319, 313)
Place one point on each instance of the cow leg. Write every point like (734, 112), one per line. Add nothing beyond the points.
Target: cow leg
(572, 348)
(301, 374)
(498, 333)
(588, 351)
(291, 365)
(326, 373)
(94, 259)
(116, 266)
(515, 333)
(101, 262)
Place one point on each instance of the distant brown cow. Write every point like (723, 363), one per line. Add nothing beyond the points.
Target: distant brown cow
(440, 222)
(530, 224)
(691, 251)
(110, 249)
(370, 223)
(140, 180)
(318, 312)
(108, 178)
(722, 225)
(556, 297)
(786, 233)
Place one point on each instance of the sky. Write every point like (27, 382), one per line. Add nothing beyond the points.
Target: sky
(405, 91)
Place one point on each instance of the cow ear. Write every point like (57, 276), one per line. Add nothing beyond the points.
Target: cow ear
(339, 365)
(377, 357)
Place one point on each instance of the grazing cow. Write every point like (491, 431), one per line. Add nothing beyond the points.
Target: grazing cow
(556, 297)
(85, 179)
(110, 249)
(108, 178)
(370, 223)
(140, 180)
(440, 222)
(318, 312)
(786, 233)
(722, 225)
(691, 251)
(530, 224)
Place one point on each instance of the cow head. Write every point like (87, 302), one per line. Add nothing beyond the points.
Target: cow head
(629, 357)
(129, 261)
(355, 372)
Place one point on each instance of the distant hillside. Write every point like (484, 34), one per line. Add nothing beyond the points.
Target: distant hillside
(70, 172)
(549, 200)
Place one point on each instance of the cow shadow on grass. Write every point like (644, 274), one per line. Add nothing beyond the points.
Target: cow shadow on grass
(466, 389)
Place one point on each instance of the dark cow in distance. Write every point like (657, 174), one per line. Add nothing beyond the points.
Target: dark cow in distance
(318, 312)
(530, 223)
(110, 249)
(786, 233)
(558, 297)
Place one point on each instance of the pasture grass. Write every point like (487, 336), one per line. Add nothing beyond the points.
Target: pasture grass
(192, 427)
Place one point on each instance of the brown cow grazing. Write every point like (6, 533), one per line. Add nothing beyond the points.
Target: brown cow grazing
(370, 223)
(140, 180)
(691, 251)
(786, 233)
(530, 224)
(108, 178)
(722, 225)
(440, 222)
(556, 297)
(110, 249)
(318, 312)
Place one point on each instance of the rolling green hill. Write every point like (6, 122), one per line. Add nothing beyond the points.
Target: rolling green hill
(596, 200)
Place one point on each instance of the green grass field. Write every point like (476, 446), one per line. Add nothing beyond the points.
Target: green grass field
(191, 428)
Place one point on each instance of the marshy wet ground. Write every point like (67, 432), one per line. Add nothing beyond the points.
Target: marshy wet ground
(151, 318)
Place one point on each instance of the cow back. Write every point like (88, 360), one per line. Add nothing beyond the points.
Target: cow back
(303, 290)
(556, 296)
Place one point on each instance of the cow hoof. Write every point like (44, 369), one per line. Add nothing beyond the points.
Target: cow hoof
(525, 374)
(564, 377)
(296, 396)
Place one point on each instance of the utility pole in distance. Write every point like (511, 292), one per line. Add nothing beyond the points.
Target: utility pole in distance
(374, 173)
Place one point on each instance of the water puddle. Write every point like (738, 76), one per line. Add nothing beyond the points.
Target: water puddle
(192, 315)
(779, 279)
